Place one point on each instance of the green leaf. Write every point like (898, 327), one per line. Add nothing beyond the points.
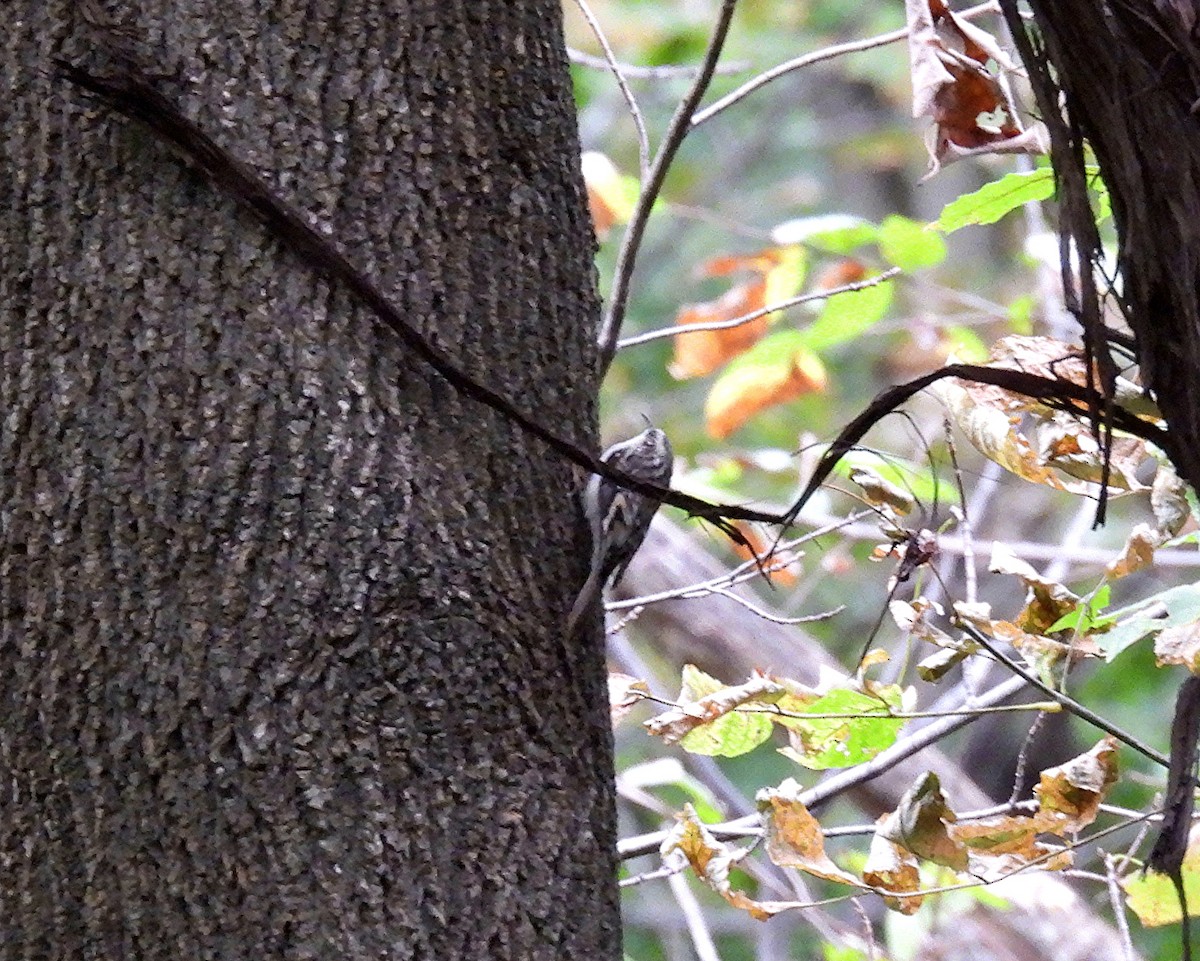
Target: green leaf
(966, 345)
(1020, 314)
(1088, 616)
(785, 280)
(1103, 203)
(992, 201)
(908, 245)
(1182, 606)
(846, 316)
(1151, 896)
(823, 743)
(695, 684)
(737, 732)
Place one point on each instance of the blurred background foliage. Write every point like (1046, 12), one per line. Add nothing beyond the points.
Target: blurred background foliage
(838, 138)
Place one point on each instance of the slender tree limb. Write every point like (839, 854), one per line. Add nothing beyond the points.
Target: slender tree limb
(649, 336)
(618, 73)
(131, 94)
(610, 328)
(818, 56)
(1068, 703)
(662, 72)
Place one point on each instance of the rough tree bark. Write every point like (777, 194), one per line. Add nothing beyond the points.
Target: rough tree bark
(280, 667)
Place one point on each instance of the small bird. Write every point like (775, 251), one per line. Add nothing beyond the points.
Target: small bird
(620, 518)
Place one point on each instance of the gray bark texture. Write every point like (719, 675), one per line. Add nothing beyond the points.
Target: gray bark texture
(281, 664)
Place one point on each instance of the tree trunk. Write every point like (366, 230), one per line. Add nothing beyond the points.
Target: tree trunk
(281, 667)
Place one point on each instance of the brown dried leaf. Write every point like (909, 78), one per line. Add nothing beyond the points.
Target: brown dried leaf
(1179, 645)
(674, 724)
(878, 491)
(1137, 553)
(712, 860)
(783, 567)
(921, 824)
(890, 867)
(955, 75)
(1168, 500)
(1047, 600)
(982, 413)
(794, 837)
(709, 858)
(1071, 793)
(624, 691)
(703, 351)
(1006, 834)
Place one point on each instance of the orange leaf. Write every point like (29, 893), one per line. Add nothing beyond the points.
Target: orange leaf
(845, 271)
(703, 351)
(763, 379)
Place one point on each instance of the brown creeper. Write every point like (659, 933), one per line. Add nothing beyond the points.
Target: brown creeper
(620, 518)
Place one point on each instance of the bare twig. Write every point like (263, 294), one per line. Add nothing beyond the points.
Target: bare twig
(618, 72)
(678, 128)
(693, 916)
(645, 338)
(666, 71)
(777, 618)
(1117, 902)
(818, 56)
(1068, 703)
(743, 572)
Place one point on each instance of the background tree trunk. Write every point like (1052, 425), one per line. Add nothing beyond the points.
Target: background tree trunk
(281, 672)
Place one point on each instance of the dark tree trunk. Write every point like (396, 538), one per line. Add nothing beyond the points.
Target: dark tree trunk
(281, 670)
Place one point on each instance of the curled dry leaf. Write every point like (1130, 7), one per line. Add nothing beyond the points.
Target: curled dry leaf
(1072, 792)
(1168, 500)
(921, 824)
(782, 567)
(1052, 441)
(624, 691)
(891, 867)
(984, 414)
(957, 80)
(1047, 600)
(678, 723)
(775, 274)
(1179, 645)
(794, 837)
(1137, 553)
(701, 352)
(712, 860)
(878, 491)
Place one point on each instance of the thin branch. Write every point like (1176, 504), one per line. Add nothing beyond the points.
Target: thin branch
(777, 618)
(638, 339)
(610, 329)
(610, 58)
(743, 572)
(1068, 703)
(666, 71)
(1117, 903)
(135, 96)
(818, 56)
(694, 918)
